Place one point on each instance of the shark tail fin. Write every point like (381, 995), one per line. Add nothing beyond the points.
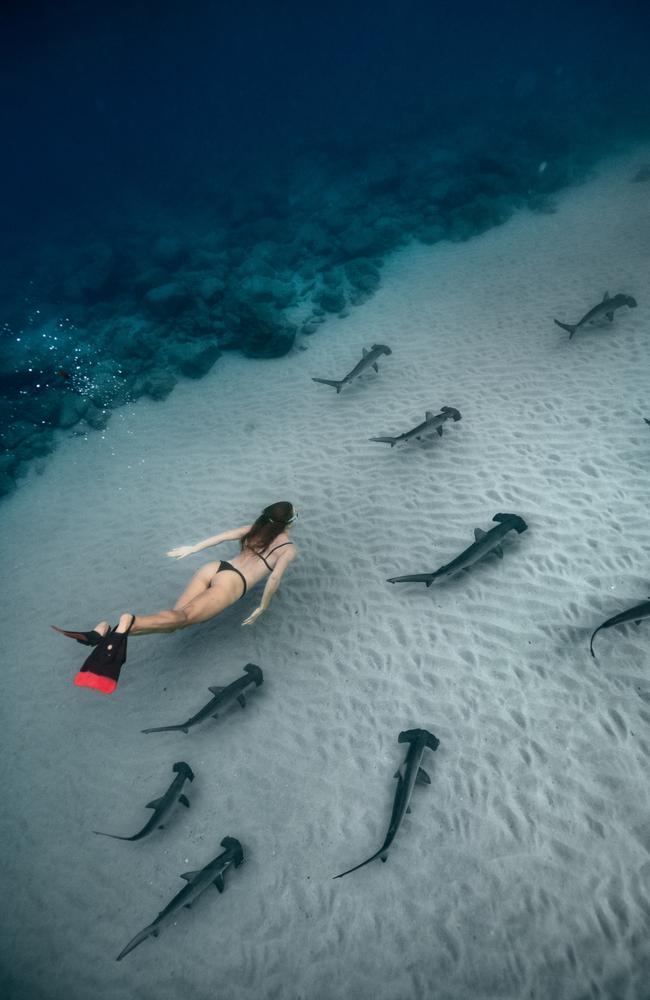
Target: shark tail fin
(138, 939)
(410, 735)
(413, 578)
(329, 381)
(386, 440)
(255, 672)
(165, 729)
(591, 641)
(570, 329)
(380, 852)
(113, 836)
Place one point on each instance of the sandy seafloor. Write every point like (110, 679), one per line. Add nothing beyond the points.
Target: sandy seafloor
(524, 869)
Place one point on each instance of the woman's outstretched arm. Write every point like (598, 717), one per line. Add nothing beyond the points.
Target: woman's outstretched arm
(272, 584)
(225, 536)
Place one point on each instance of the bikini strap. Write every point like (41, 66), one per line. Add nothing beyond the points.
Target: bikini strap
(278, 547)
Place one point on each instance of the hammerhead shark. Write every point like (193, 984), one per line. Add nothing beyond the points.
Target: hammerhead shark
(604, 308)
(222, 697)
(485, 541)
(369, 360)
(197, 883)
(635, 614)
(162, 806)
(432, 422)
(407, 776)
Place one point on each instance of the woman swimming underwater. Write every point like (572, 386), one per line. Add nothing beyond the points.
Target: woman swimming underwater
(265, 548)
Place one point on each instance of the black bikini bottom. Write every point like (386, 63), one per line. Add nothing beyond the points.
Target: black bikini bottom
(223, 566)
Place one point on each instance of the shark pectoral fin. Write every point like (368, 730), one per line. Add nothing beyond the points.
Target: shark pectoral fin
(188, 876)
(638, 622)
(499, 551)
(241, 698)
(219, 882)
(422, 777)
(439, 430)
(479, 534)
(153, 804)
(375, 366)
(610, 316)
(215, 690)
(184, 799)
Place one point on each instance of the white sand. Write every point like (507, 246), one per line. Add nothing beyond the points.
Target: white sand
(524, 870)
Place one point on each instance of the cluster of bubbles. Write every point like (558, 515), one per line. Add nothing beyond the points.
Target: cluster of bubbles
(49, 355)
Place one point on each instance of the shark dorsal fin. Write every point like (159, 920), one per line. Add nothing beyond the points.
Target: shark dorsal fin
(364, 351)
(188, 876)
(153, 804)
(429, 415)
(479, 534)
(605, 296)
(215, 689)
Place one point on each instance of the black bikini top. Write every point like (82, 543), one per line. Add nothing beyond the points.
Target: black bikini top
(263, 558)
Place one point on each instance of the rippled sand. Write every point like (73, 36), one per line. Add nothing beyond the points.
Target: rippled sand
(524, 869)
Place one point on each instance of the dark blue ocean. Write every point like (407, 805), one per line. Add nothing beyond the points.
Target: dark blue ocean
(180, 180)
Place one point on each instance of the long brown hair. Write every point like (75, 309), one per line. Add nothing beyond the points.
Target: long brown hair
(272, 522)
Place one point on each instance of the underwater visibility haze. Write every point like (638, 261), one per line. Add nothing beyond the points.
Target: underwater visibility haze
(181, 181)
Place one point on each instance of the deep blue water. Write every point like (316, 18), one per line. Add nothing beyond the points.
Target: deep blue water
(183, 179)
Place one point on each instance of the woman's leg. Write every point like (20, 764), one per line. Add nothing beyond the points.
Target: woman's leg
(200, 609)
(197, 585)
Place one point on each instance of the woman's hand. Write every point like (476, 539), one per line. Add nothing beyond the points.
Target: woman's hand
(181, 552)
(251, 618)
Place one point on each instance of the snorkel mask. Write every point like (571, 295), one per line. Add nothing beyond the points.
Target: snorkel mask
(283, 523)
